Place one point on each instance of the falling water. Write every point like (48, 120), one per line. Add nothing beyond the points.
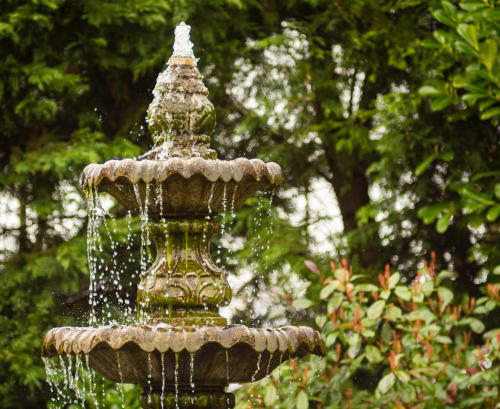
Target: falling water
(145, 222)
(223, 224)
(69, 369)
(229, 207)
(131, 260)
(141, 213)
(120, 373)
(210, 197)
(105, 277)
(262, 231)
(79, 391)
(64, 381)
(108, 271)
(207, 217)
(80, 380)
(159, 197)
(64, 370)
(224, 202)
(269, 226)
(82, 375)
(71, 379)
(159, 202)
(144, 218)
(162, 396)
(150, 378)
(257, 248)
(67, 377)
(76, 380)
(233, 199)
(176, 380)
(51, 376)
(92, 385)
(209, 204)
(92, 250)
(258, 367)
(114, 274)
(48, 375)
(269, 363)
(191, 375)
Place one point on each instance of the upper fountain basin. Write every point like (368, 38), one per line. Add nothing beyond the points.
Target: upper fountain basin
(182, 186)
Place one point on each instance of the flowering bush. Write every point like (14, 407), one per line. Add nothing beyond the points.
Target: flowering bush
(391, 345)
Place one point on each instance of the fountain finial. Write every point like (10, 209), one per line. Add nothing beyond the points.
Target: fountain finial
(181, 117)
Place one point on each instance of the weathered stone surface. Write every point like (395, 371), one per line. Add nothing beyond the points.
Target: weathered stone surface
(182, 187)
(181, 117)
(252, 353)
(183, 285)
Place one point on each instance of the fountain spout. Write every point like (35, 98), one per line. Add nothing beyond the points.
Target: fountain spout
(183, 47)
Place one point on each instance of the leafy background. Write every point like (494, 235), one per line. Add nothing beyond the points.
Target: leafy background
(394, 106)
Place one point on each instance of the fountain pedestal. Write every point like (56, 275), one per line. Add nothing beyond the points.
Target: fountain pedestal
(215, 399)
(183, 286)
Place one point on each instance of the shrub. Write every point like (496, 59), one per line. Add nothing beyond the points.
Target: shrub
(392, 345)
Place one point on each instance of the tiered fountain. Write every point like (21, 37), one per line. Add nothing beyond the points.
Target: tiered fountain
(181, 351)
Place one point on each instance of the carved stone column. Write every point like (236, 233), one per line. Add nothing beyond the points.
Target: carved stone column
(183, 286)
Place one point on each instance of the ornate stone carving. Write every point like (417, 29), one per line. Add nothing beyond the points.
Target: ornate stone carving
(181, 116)
(220, 354)
(183, 284)
(182, 187)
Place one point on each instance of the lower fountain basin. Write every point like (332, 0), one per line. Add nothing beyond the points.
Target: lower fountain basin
(206, 357)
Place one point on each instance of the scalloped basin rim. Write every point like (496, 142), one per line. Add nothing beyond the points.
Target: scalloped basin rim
(148, 171)
(76, 340)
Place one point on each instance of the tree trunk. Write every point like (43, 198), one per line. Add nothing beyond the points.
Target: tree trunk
(347, 168)
(350, 185)
(23, 224)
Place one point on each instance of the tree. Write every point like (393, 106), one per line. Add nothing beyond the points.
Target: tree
(354, 83)
(310, 84)
(442, 155)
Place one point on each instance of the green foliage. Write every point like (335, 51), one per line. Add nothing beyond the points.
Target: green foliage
(27, 307)
(328, 90)
(468, 79)
(438, 163)
(392, 346)
(470, 40)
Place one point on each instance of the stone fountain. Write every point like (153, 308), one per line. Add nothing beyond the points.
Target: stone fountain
(181, 351)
